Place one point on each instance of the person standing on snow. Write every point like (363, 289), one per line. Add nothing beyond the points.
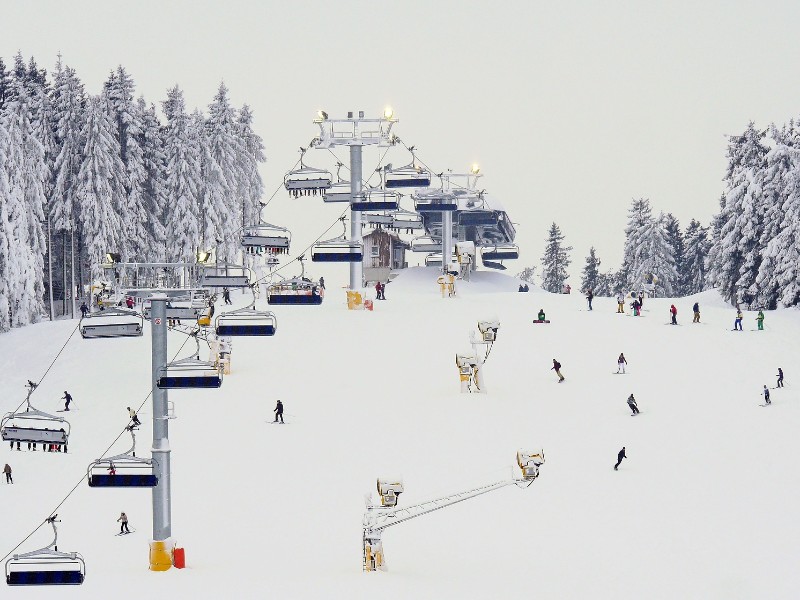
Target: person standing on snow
(737, 324)
(696, 311)
(557, 368)
(620, 456)
(7, 471)
(226, 295)
(632, 404)
(541, 315)
(67, 399)
(134, 418)
(84, 309)
(621, 362)
(765, 393)
(589, 297)
(620, 303)
(123, 519)
(278, 412)
(760, 320)
(674, 312)
(641, 300)
(780, 377)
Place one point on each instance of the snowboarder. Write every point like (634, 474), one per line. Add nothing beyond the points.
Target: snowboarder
(278, 412)
(540, 317)
(780, 377)
(7, 471)
(765, 393)
(621, 362)
(620, 456)
(123, 518)
(557, 368)
(620, 303)
(84, 309)
(674, 312)
(696, 311)
(760, 320)
(134, 418)
(589, 296)
(226, 295)
(737, 324)
(67, 399)
(632, 404)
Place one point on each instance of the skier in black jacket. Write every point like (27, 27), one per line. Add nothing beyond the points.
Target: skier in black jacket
(278, 412)
(780, 377)
(620, 456)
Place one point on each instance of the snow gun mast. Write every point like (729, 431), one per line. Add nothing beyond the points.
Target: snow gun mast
(385, 514)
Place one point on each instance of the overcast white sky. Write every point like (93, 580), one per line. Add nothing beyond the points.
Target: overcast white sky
(571, 108)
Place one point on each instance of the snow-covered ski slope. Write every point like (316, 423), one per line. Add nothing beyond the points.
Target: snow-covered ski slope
(704, 507)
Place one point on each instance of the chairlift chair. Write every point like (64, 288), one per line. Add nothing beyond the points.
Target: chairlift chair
(190, 372)
(297, 290)
(307, 181)
(376, 199)
(378, 218)
(46, 566)
(338, 249)
(266, 238)
(339, 191)
(246, 322)
(112, 323)
(123, 470)
(31, 426)
(409, 176)
(405, 219)
(426, 243)
(438, 201)
(224, 275)
(499, 252)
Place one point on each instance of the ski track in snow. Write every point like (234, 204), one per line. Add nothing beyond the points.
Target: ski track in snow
(703, 507)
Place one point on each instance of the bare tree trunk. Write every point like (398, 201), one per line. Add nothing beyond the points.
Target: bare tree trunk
(50, 268)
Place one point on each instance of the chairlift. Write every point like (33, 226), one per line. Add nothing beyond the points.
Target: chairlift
(190, 372)
(338, 249)
(46, 566)
(33, 426)
(178, 308)
(426, 243)
(378, 218)
(409, 176)
(477, 217)
(376, 199)
(438, 201)
(123, 470)
(246, 321)
(499, 252)
(405, 219)
(298, 290)
(339, 191)
(112, 323)
(224, 275)
(307, 181)
(266, 238)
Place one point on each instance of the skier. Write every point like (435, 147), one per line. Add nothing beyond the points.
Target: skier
(226, 295)
(765, 393)
(632, 404)
(322, 283)
(557, 368)
(641, 300)
(737, 324)
(84, 309)
(621, 362)
(129, 302)
(620, 456)
(589, 296)
(780, 377)
(123, 528)
(278, 412)
(67, 399)
(760, 320)
(540, 316)
(637, 308)
(7, 471)
(134, 418)
(696, 310)
(620, 303)
(674, 312)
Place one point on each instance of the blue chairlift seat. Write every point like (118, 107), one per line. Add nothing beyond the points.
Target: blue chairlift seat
(297, 291)
(56, 577)
(500, 252)
(111, 323)
(376, 200)
(46, 566)
(189, 373)
(246, 322)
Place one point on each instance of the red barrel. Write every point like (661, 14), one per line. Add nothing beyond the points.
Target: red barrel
(179, 558)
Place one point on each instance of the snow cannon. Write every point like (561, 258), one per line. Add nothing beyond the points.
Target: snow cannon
(489, 329)
(530, 463)
(466, 363)
(389, 490)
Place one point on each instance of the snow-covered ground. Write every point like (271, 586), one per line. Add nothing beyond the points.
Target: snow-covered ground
(704, 507)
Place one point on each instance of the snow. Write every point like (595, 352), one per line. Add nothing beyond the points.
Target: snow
(702, 508)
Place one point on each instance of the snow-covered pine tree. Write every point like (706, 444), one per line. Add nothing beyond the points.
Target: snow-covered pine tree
(213, 193)
(696, 246)
(527, 275)
(659, 260)
(100, 187)
(184, 176)
(734, 259)
(27, 176)
(155, 200)
(5, 83)
(640, 219)
(9, 273)
(555, 261)
(672, 229)
(591, 272)
(250, 185)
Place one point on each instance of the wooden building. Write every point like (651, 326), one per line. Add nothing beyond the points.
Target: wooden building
(383, 253)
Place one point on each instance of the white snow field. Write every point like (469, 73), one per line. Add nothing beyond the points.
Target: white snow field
(704, 506)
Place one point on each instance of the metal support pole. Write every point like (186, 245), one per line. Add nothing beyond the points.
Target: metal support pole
(356, 268)
(447, 239)
(162, 505)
